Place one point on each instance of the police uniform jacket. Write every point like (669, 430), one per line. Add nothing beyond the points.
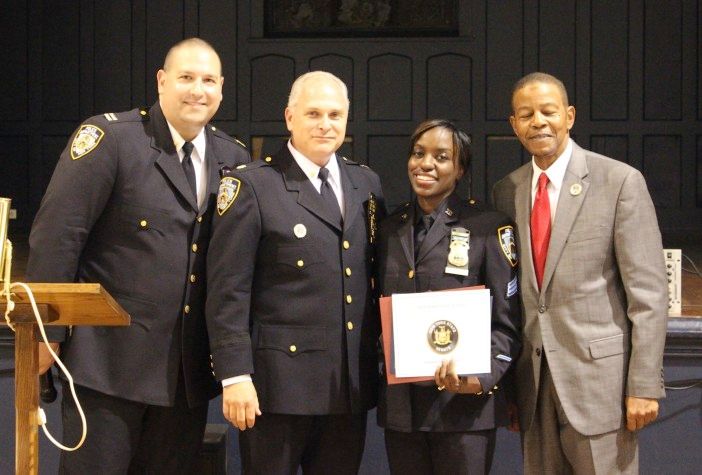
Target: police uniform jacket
(289, 297)
(122, 214)
(492, 262)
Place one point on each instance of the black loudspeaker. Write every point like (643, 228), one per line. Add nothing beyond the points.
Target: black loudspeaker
(212, 459)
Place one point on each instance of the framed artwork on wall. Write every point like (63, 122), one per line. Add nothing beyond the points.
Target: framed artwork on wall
(351, 18)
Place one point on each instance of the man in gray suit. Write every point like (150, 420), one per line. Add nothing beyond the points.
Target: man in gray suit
(593, 291)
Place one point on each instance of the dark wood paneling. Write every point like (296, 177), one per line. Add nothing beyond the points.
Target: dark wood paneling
(60, 63)
(17, 187)
(661, 166)
(13, 25)
(112, 57)
(388, 156)
(699, 60)
(504, 61)
(218, 25)
(390, 87)
(609, 59)
(557, 29)
(504, 154)
(663, 60)
(614, 146)
(164, 27)
(698, 166)
(271, 78)
(449, 87)
(341, 67)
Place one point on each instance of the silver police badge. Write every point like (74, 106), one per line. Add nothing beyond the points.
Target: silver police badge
(457, 259)
(87, 138)
(228, 191)
(505, 234)
(442, 336)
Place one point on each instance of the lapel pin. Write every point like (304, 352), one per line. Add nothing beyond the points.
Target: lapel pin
(575, 189)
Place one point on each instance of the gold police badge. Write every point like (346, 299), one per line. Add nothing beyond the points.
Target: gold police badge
(506, 236)
(442, 336)
(86, 140)
(228, 191)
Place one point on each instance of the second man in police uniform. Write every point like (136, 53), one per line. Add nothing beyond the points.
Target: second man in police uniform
(289, 296)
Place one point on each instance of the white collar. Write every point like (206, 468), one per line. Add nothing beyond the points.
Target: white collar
(555, 172)
(199, 142)
(311, 169)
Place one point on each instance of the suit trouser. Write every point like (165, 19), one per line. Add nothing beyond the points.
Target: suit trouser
(552, 445)
(280, 443)
(130, 437)
(440, 453)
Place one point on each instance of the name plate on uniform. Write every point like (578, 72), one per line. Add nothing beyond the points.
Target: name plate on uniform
(430, 327)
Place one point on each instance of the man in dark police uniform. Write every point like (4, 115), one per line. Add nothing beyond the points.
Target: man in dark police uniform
(289, 302)
(129, 206)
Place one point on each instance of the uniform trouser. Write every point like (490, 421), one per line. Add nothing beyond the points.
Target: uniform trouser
(130, 437)
(552, 445)
(440, 453)
(280, 443)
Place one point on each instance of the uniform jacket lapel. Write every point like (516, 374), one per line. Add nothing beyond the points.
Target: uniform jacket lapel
(351, 195)
(405, 234)
(439, 229)
(168, 160)
(296, 181)
(522, 204)
(214, 164)
(569, 205)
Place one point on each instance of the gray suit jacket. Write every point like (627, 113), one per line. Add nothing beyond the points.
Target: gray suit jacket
(600, 317)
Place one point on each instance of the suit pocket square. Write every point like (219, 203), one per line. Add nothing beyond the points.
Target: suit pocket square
(611, 345)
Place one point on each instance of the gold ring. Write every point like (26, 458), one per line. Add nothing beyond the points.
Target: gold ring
(441, 388)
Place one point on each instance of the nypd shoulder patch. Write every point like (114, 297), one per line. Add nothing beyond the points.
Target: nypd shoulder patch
(227, 194)
(505, 235)
(86, 140)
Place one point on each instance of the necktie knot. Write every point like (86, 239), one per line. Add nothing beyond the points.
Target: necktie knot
(188, 148)
(543, 181)
(428, 220)
(323, 174)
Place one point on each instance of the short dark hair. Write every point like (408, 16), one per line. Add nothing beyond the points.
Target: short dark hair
(540, 77)
(461, 140)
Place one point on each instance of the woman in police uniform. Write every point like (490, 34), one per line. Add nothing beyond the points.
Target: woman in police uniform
(440, 241)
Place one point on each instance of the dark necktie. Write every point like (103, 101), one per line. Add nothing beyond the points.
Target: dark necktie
(329, 196)
(540, 227)
(187, 164)
(421, 232)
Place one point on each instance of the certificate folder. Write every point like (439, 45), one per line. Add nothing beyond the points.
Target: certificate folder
(386, 318)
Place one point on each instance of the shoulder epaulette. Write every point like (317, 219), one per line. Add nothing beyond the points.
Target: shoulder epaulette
(251, 165)
(223, 135)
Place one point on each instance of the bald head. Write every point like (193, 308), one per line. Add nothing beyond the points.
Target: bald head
(190, 43)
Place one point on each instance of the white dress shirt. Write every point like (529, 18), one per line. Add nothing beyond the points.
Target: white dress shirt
(555, 174)
(311, 170)
(198, 158)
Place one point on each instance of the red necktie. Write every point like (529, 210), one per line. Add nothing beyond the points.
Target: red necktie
(540, 227)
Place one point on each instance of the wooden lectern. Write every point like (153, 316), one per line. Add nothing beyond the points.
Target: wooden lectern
(58, 304)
